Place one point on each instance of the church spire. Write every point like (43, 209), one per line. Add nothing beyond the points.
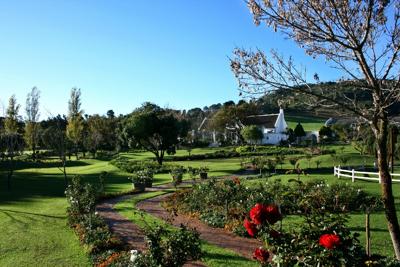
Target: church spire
(280, 124)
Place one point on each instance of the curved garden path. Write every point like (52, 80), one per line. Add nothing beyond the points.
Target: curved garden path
(133, 236)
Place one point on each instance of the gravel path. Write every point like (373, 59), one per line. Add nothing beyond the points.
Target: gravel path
(132, 235)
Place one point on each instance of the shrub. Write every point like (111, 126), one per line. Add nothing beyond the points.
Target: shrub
(88, 225)
(170, 248)
(322, 240)
(177, 174)
(132, 166)
(81, 198)
(142, 176)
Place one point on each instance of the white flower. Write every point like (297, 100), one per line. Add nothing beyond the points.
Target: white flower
(96, 213)
(134, 255)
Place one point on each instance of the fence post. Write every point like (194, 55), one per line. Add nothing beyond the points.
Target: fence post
(338, 172)
(379, 177)
(352, 175)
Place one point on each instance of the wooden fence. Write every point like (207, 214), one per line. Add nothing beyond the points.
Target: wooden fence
(361, 175)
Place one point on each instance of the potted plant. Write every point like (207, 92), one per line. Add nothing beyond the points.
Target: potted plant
(147, 175)
(141, 179)
(193, 172)
(177, 174)
(203, 172)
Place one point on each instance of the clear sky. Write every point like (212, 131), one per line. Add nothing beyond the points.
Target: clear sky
(121, 53)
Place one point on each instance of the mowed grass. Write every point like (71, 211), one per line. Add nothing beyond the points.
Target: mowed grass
(32, 214)
(308, 123)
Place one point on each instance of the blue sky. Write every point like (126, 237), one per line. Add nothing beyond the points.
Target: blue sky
(122, 53)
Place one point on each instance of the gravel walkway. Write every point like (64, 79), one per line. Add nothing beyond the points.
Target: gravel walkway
(132, 235)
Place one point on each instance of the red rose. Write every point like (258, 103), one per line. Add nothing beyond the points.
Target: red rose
(261, 255)
(329, 241)
(257, 214)
(272, 214)
(250, 227)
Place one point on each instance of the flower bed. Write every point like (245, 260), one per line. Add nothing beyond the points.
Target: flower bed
(224, 203)
(322, 239)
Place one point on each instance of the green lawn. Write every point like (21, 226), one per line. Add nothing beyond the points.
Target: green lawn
(308, 123)
(32, 214)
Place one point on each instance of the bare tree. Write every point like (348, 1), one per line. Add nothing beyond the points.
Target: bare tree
(360, 38)
(32, 118)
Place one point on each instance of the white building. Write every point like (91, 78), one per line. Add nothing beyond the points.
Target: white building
(273, 126)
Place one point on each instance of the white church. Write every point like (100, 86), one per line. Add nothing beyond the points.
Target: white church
(273, 126)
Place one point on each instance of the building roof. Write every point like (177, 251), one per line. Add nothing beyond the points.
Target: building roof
(266, 120)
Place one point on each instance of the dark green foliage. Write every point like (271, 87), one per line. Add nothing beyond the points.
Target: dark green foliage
(155, 129)
(170, 248)
(299, 130)
(252, 134)
(132, 166)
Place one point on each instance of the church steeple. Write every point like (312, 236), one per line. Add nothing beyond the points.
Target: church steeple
(280, 124)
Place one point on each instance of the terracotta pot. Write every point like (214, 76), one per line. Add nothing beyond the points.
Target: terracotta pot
(149, 183)
(140, 186)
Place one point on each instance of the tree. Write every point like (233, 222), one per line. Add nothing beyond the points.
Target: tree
(155, 129)
(362, 39)
(252, 134)
(32, 117)
(54, 137)
(75, 125)
(230, 117)
(299, 132)
(100, 133)
(11, 141)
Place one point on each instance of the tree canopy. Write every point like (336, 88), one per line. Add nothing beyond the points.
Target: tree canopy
(155, 129)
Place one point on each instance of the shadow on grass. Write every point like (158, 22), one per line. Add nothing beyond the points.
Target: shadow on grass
(26, 186)
(215, 256)
(362, 229)
(20, 165)
(6, 211)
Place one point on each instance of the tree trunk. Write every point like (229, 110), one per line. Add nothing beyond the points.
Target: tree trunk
(381, 134)
(159, 158)
(10, 172)
(65, 171)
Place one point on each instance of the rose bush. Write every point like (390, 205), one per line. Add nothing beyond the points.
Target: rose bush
(322, 239)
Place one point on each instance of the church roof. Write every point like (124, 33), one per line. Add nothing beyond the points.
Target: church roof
(266, 120)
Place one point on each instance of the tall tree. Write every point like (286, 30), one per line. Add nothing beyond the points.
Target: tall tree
(54, 138)
(11, 140)
(32, 118)
(100, 134)
(11, 120)
(155, 129)
(75, 125)
(361, 38)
